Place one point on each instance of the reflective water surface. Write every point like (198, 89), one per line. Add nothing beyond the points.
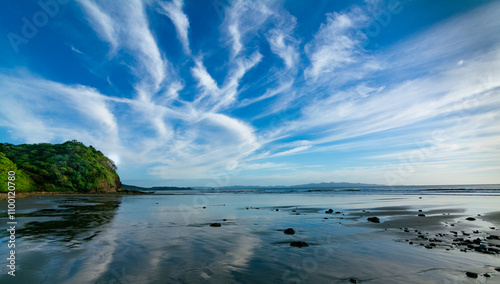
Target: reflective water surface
(168, 239)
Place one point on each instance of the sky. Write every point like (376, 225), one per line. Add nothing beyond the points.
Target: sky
(218, 93)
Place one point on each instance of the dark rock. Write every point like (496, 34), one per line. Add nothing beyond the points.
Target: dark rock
(497, 269)
(329, 211)
(325, 218)
(224, 220)
(338, 212)
(493, 237)
(215, 225)
(352, 280)
(289, 231)
(471, 274)
(204, 207)
(299, 244)
(411, 243)
(486, 275)
(421, 215)
(374, 219)
(277, 210)
(420, 210)
(470, 219)
(493, 228)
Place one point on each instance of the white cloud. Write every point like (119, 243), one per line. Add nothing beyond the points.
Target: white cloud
(337, 44)
(174, 11)
(101, 22)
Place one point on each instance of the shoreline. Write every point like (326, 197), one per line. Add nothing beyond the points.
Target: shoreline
(21, 195)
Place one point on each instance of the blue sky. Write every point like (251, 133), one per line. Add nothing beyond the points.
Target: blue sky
(216, 93)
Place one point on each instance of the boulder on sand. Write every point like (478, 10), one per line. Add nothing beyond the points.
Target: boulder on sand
(299, 244)
(289, 231)
(374, 219)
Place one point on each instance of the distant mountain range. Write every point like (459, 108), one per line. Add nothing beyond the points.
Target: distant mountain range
(140, 188)
(309, 185)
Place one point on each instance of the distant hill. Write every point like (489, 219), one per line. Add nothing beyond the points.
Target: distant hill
(154, 188)
(309, 185)
(333, 184)
(70, 166)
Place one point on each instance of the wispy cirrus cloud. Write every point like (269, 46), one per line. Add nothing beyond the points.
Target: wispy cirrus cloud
(174, 11)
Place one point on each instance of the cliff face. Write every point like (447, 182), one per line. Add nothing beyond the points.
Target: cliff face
(70, 166)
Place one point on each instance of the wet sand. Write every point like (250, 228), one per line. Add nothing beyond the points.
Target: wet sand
(168, 239)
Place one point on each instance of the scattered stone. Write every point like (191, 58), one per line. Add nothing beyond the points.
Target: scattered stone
(493, 228)
(420, 210)
(224, 220)
(329, 211)
(277, 210)
(204, 207)
(486, 275)
(470, 219)
(374, 219)
(289, 231)
(294, 210)
(338, 212)
(352, 280)
(421, 215)
(215, 225)
(299, 244)
(471, 274)
(325, 218)
(497, 269)
(411, 243)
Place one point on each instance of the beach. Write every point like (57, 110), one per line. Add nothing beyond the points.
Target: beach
(168, 238)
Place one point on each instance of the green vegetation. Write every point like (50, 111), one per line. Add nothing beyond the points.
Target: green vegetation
(70, 166)
(22, 181)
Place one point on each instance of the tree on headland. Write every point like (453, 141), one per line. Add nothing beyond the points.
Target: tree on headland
(70, 166)
(22, 181)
